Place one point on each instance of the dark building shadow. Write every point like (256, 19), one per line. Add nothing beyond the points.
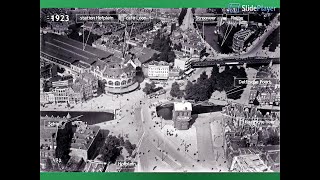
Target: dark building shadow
(193, 119)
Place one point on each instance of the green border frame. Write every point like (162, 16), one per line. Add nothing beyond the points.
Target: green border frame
(152, 3)
(156, 4)
(160, 176)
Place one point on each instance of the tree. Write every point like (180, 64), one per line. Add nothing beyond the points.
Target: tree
(171, 56)
(129, 147)
(189, 90)
(163, 44)
(203, 77)
(273, 40)
(201, 90)
(111, 149)
(213, 77)
(156, 44)
(149, 88)
(101, 87)
(175, 90)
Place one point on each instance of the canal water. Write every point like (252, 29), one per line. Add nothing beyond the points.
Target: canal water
(89, 117)
(166, 112)
(210, 36)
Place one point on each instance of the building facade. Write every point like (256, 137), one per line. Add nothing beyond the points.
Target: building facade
(158, 70)
(119, 76)
(67, 95)
(85, 140)
(183, 64)
(181, 115)
(239, 39)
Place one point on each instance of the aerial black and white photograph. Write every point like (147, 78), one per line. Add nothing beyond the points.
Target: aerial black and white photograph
(159, 90)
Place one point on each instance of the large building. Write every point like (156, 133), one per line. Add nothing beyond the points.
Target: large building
(190, 43)
(158, 70)
(48, 135)
(67, 95)
(119, 76)
(48, 71)
(85, 140)
(239, 39)
(241, 116)
(183, 64)
(142, 55)
(249, 163)
(118, 73)
(181, 115)
(87, 84)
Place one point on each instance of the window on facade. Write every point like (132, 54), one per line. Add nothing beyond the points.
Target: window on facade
(123, 82)
(110, 83)
(117, 83)
(129, 81)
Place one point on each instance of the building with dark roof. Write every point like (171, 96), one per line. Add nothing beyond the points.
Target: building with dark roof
(117, 73)
(142, 55)
(84, 141)
(48, 71)
(190, 41)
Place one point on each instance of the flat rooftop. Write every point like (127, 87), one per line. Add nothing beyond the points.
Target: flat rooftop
(182, 106)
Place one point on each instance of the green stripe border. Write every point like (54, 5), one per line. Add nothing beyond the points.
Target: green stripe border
(160, 176)
(152, 3)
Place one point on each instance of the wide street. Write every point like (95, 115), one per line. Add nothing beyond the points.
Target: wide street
(176, 159)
